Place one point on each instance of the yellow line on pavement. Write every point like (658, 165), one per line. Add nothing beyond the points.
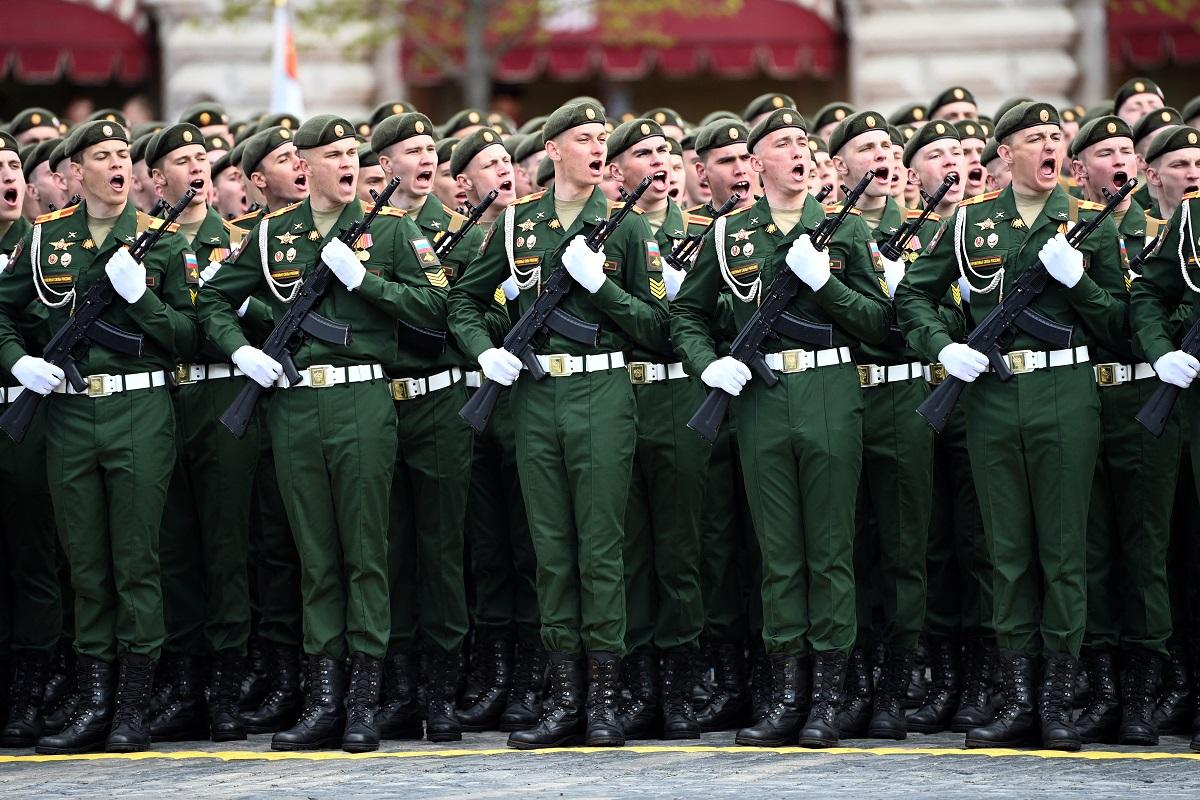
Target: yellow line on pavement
(337, 755)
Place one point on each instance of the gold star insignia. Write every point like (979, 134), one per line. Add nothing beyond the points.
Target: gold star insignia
(61, 244)
(986, 225)
(527, 225)
(741, 235)
(286, 238)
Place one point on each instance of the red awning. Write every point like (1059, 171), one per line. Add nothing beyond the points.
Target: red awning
(1143, 34)
(781, 39)
(85, 41)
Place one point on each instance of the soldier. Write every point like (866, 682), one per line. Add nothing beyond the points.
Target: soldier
(274, 168)
(823, 173)
(672, 124)
(999, 173)
(973, 138)
(1144, 134)
(34, 126)
(1033, 487)
(827, 118)
(445, 186)
(229, 186)
(913, 114)
(45, 190)
(216, 146)
(808, 582)
(954, 104)
(370, 175)
(527, 157)
(1136, 98)
(466, 121)
(575, 492)
(676, 173)
(101, 465)
(142, 192)
(761, 107)
(210, 118)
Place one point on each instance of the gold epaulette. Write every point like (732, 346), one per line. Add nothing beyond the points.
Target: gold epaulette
(250, 218)
(697, 219)
(613, 205)
(456, 219)
(1189, 196)
(836, 208)
(282, 211)
(145, 221)
(914, 213)
(61, 213)
(387, 211)
(1154, 225)
(529, 198)
(696, 209)
(981, 198)
(236, 234)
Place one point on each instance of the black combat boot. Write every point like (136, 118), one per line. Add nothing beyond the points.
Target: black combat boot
(441, 689)
(562, 722)
(1014, 724)
(224, 692)
(181, 715)
(887, 710)
(760, 682)
(943, 691)
(976, 707)
(916, 686)
(677, 681)
(487, 693)
(130, 727)
(726, 706)
(1174, 704)
(1054, 702)
(828, 675)
(361, 735)
(639, 715)
(1141, 671)
(1099, 719)
(323, 718)
(24, 725)
(787, 709)
(855, 713)
(281, 707)
(60, 678)
(399, 714)
(258, 680)
(87, 727)
(528, 687)
(603, 724)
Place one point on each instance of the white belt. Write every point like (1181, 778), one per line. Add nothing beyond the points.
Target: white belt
(322, 376)
(1116, 374)
(562, 366)
(645, 372)
(790, 361)
(104, 385)
(1025, 361)
(412, 388)
(9, 394)
(194, 373)
(934, 373)
(474, 379)
(874, 374)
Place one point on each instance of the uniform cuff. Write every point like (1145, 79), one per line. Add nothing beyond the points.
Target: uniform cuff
(608, 294)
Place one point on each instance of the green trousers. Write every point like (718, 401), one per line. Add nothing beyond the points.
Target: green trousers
(730, 576)
(335, 449)
(425, 528)
(897, 482)
(801, 451)
(1033, 442)
(275, 570)
(663, 602)
(1129, 525)
(30, 602)
(108, 461)
(502, 561)
(575, 442)
(204, 546)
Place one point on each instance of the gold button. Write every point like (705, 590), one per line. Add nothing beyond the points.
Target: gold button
(734, 133)
(205, 117)
(1139, 87)
(35, 118)
(487, 136)
(787, 119)
(1044, 115)
(870, 121)
(419, 126)
(285, 134)
(473, 118)
(958, 94)
(589, 112)
(107, 130)
(918, 113)
(777, 102)
(1112, 127)
(660, 118)
(187, 136)
(940, 128)
(645, 129)
(839, 114)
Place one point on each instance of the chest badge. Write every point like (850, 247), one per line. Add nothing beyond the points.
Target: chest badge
(286, 238)
(527, 225)
(986, 225)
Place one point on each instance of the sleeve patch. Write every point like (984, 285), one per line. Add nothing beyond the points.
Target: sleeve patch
(658, 289)
(876, 256)
(612, 265)
(426, 256)
(191, 269)
(654, 261)
(437, 277)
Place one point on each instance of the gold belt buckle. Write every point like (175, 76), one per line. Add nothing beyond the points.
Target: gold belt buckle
(1106, 374)
(937, 373)
(183, 374)
(865, 379)
(1020, 361)
(320, 377)
(97, 386)
(560, 366)
(400, 389)
(639, 372)
(792, 361)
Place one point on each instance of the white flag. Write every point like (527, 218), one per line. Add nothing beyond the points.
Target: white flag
(286, 97)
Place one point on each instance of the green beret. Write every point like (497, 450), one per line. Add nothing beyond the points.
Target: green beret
(1071, 113)
(1097, 130)
(1155, 120)
(501, 123)
(146, 127)
(202, 114)
(779, 119)
(173, 138)
(322, 130)
(991, 151)
(896, 136)
(767, 102)
(720, 133)
(713, 116)
(58, 154)
(831, 112)
(665, 116)
(469, 147)
(584, 98)
(545, 172)
(674, 147)
(571, 116)
(817, 145)
(513, 142)
(109, 115)
(1098, 110)
(35, 155)
(289, 121)
(32, 118)
(399, 127)
(971, 129)
(362, 129)
(7, 142)
(237, 128)
(367, 157)
(91, 133)
(908, 131)
(464, 119)
(445, 148)
(248, 130)
(908, 114)
(233, 158)
(258, 146)
(532, 125)
(1009, 104)
(1026, 115)
(854, 125)
(955, 94)
(138, 147)
(1180, 137)
(532, 144)
(1191, 110)
(688, 142)
(217, 142)
(390, 109)
(928, 133)
(1132, 87)
(627, 134)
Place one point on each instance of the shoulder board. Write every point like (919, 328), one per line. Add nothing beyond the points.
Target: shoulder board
(1189, 196)
(1154, 225)
(53, 215)
(236, 234)
(696, 219)
(145, 221)
(982, 198)
(386, 211)
(456, 219)
(529, 198)
(696, 209)
(913, 213)
(282, 211)
(1088, 205)
(613, 205)
(836, 208)
(244, 222)
(737, 211)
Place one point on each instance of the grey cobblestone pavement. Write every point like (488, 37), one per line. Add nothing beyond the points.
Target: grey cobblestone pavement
(482, 767)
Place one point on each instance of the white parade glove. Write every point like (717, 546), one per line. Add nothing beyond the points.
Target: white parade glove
(1063, 262)
(809, 264)
(209, 272)
(500, 366)
(964, 289)
(37, 374)
(586, 267)
(727, 374)
(257, 365)
(893, 272)
(127, 275)
(673, 278)
(962, 362)
(1176, 368)
(345, 265)
(511, 291)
